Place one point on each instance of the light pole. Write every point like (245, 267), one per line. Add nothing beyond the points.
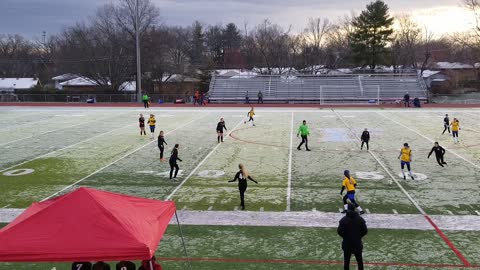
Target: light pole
(137, 46)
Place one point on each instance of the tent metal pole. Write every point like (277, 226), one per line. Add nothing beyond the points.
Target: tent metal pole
(183, 241)
(151, 264)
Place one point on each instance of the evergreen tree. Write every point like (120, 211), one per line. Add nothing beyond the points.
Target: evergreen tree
(197, 45)
(232, 38)
(373, 30)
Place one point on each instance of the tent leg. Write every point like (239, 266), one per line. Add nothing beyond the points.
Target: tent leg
(151, 264)
(183, 241)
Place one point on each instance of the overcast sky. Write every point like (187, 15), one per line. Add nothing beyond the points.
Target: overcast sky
(31, 17)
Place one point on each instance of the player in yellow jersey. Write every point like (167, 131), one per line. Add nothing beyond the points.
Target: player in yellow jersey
(250, 114)
(151, 123)
(350, 184)
(455, 128)
(405, 159)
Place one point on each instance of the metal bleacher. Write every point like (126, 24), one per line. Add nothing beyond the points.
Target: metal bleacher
(353, 88)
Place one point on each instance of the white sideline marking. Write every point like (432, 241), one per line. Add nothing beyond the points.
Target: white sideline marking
(427, 138)
(117, 160)
(200, 164)
(385, 168)
(46, 132)
(449, 212)
(395, 211)
(289, 187)
(70, 146)
(210, 208)
(307, 219)
(478, 212)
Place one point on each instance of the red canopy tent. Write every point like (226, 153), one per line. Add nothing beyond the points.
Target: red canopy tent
(87, 225)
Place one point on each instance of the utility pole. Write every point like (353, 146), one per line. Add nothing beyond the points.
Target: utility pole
(137, 46)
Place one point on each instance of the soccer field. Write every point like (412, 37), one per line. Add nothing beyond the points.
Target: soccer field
(432, 222)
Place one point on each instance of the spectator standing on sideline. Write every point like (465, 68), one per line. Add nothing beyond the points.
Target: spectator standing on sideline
(260, 97)
(352, 228)
(146, 264)
(246, 98)
(101, 266)
(406, 99)
(196, 97)
(125, 265)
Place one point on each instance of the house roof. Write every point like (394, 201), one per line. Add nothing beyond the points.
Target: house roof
(128, 86)
(455, 65)
(80, 81)
(18, 83)
(64, 77)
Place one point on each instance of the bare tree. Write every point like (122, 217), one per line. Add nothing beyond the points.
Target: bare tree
(313, 43)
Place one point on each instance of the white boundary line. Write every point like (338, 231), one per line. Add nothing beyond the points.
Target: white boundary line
(117, 160)
(58, 150)
(289, 187)
(200, 164)
(46, 132)
(427, 138)
(384, 168)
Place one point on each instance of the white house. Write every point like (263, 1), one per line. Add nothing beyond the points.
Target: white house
(62, 78)
(12, 84)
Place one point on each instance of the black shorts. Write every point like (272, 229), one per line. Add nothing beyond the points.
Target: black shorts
(219, 131)
(455, 133)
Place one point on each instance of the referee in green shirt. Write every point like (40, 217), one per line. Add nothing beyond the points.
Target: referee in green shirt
(304, 132)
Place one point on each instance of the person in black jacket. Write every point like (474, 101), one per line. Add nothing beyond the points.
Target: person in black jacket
(101, 266)
(161, 146)
(365, 139)
(406, 99)
(439, 153)
(82, 266)
(242, 177)
(173, 161)
(125, 265)
(352, 228)
(446, 124)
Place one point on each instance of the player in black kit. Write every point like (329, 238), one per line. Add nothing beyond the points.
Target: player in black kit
(173, 161)
(365, 139)
(141, 123)
(242, 176)
(220, 127)
(446, 124)
(161, 142)
(439, 153)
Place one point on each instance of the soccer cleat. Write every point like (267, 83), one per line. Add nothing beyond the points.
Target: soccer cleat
(309, 150)
(362, 212)
(412, 177)
(344, 211)
(298, 148)
(243, 207)
(404, 177)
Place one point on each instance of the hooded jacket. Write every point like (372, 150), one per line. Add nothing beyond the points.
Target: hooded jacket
(352, 228)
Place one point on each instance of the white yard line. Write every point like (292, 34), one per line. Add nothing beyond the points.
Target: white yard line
(201, 163)
(306, 219)
(70, 146)
(430, 140)
(117, 160)
(50, 131)
(289, 187)
(384, 168)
